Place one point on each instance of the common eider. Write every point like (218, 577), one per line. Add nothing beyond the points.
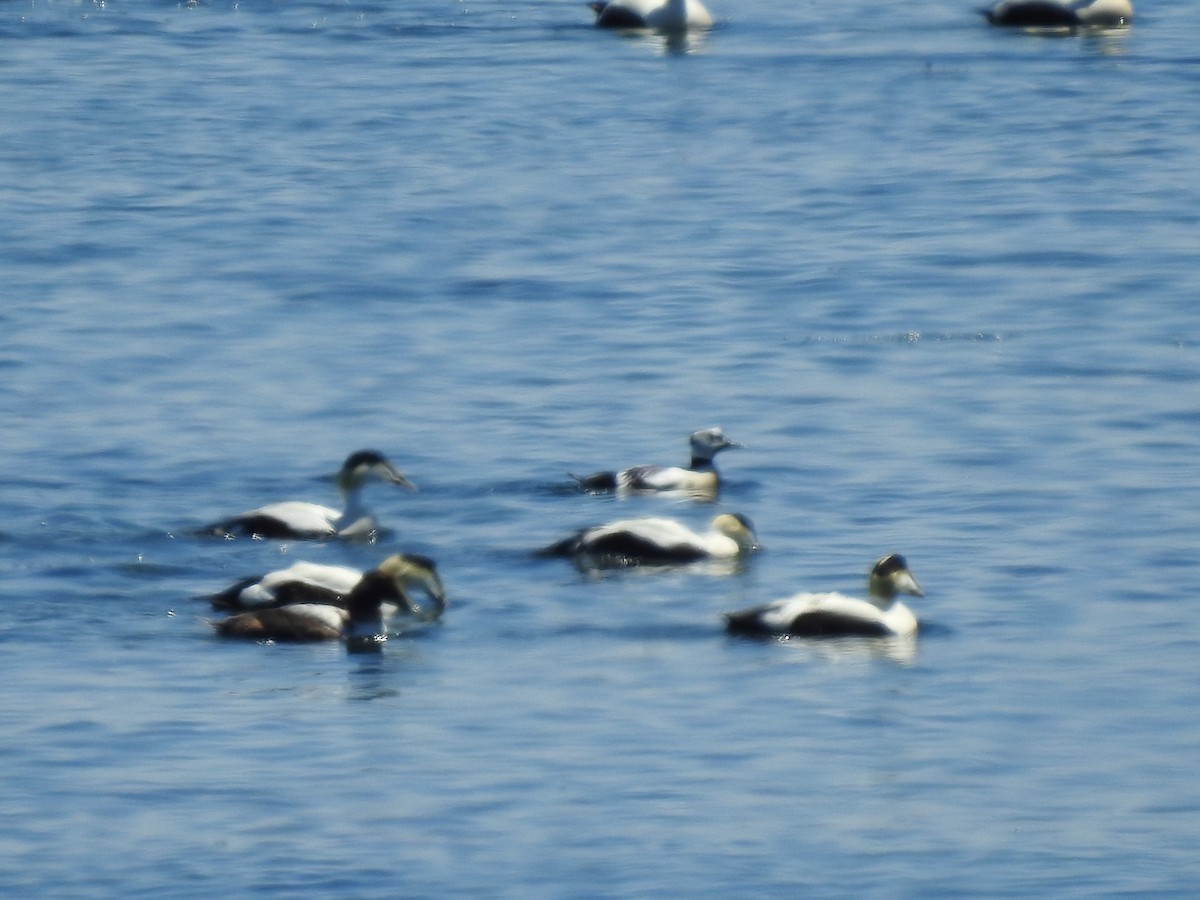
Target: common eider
(699, 478)
(1067, 14)
(361, 614)
(653, 540)
(311, 521)
(301, 582)
(832, 614)
(660, 15)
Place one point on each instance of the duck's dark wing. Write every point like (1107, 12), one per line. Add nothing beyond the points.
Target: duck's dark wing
(810, 623)
(597, 481)
(568, 546)
(1031, 14)
(231, 597)
(289, 593)
(255, 524)
(749, 622)
(825, 623)
(631, 545)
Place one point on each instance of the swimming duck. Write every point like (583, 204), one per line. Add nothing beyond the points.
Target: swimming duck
(660, 15)
(311, 521)
(1065, 14)
(359, 615)
(700, 477)
(829, 615)
(301, 582)
(634, 541)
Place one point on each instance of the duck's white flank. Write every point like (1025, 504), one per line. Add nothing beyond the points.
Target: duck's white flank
(629, 541)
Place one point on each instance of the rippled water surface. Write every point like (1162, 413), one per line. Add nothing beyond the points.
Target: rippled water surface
(940, 279)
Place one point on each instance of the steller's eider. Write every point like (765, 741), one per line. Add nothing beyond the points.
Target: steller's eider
(699, 478)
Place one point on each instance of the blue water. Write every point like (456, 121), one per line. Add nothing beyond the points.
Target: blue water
(941, 279)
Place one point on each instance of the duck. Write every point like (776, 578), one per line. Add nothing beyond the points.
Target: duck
(360, 614)
(1064, 14)
(699, 478)
(630, 542)
(310, 521)
(660, 15)
(301, 582)
(833, 614)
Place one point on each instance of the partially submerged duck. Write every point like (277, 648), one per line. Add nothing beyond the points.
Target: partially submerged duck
(362, 613)
(1066, 14)
(699, 477)
(311, 521)
(832, 614)
(659, 15)
(655, 540)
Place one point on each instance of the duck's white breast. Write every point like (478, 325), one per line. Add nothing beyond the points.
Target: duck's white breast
(900, 619)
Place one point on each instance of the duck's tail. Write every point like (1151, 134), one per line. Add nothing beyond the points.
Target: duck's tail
(597, 481)
(747, 622)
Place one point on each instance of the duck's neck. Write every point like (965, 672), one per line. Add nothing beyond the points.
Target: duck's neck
(677, 10)
(353, 507)
(701, 463)
(881, 593)
(364, 602)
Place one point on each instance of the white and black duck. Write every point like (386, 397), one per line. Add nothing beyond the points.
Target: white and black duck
(833, 614)
(301, 582)
(299, 520)
(1065, 14)
(657, 540)
(699, 477)
(380, 601)
(659, 15)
